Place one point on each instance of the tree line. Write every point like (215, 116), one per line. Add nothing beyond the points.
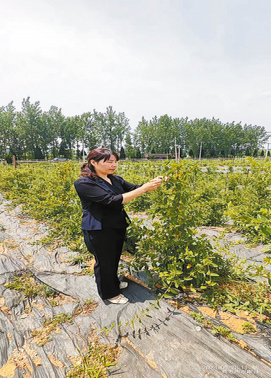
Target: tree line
(210, 137)
(35, 134)
(32, 133)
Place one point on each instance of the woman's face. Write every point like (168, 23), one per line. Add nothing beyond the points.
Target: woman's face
(104, 168)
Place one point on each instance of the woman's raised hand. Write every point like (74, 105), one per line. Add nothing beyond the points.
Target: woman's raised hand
(152, 184)
(148, 187)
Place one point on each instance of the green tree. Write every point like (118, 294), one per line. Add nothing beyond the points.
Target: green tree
(30, 126)
(216, 137)
(160, 134)
(53, 122)
(138, 153)
(11, 141)
(88, 131)
(112, 128)
(145, 135)
(129, 147)
(122, 153)
(255, 152)
(248, 151)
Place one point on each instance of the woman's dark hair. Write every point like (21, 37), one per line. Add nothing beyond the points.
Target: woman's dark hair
(87, 169)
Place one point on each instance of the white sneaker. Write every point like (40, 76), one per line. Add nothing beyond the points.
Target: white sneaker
(123, 285)
(121, 299)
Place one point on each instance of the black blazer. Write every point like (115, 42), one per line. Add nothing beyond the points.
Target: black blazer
(102, 202)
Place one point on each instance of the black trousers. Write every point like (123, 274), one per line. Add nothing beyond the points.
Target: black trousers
(106, 245)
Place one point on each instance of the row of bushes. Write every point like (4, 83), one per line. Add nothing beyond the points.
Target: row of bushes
(170, 249)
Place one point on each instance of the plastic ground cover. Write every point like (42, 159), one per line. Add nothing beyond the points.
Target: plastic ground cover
(168, 344)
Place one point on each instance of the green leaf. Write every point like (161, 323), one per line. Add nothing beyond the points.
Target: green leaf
(174, 291)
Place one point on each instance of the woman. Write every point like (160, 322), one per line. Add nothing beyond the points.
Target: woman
(104, 220)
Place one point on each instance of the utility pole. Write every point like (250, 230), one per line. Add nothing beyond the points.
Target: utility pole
(83, 147)
(177, 152)
(267, 145)
(14, 161)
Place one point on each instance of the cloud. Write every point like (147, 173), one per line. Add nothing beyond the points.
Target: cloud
(266, 94)
(144, 57)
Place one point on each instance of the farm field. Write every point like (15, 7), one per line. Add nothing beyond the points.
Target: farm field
(232, 197)
(238, 190)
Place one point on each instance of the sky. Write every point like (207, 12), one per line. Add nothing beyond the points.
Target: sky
(184, 58)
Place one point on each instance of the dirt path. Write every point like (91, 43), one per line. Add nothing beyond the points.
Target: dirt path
(169, 343)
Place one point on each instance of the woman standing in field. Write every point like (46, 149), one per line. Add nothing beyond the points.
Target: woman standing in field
(104, 220)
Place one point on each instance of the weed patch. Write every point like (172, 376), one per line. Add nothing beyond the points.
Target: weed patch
(42, 335)
(26, 284)
(240, 295)
(87, 308)
(248, 327)
(96, 361)
(225, 332)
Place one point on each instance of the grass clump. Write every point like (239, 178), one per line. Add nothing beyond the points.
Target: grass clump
(54, 301)
(42, 335)
(86, 261)
(95, 363)
(248, 327)
(217, 330)
(225, 332)
(29, 287)
(57, 319)
(201, 319)
(86, 309)
(197, 316)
